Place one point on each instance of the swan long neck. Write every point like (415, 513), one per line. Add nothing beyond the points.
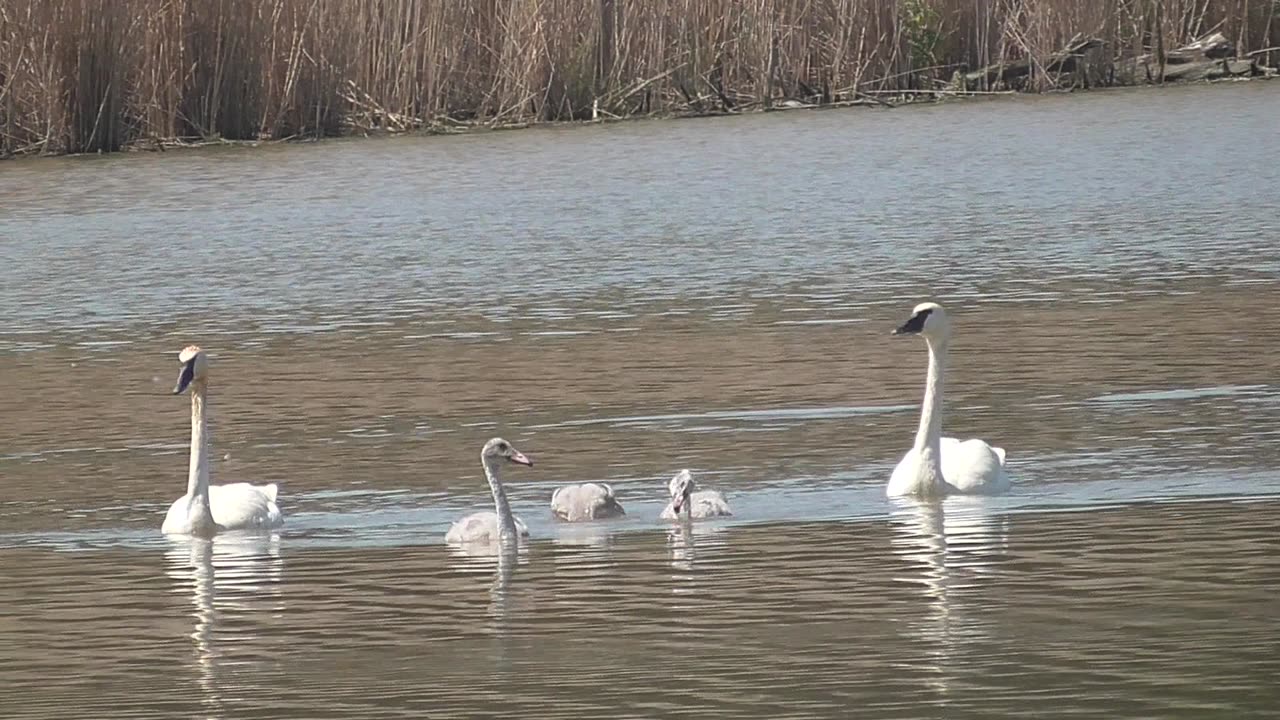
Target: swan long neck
(929, 435)
(506, 521)
(198, 473)
(199, 512)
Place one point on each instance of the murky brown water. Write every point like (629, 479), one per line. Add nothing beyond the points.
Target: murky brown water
(621, 302)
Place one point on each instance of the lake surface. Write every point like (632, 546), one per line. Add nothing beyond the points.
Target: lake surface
(620, 302)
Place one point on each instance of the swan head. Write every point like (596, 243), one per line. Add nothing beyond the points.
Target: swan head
(499, 449)
(195, 367)
(927, 319)
(680, 487)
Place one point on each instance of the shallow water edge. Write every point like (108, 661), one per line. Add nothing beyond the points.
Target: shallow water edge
(902, 100)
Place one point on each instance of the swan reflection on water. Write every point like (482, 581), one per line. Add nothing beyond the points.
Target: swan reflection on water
(950, 545)
(685, 542)
(596, 535)
(227, 576)
(502, 559)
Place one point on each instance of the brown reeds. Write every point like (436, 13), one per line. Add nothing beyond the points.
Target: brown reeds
(96, 75)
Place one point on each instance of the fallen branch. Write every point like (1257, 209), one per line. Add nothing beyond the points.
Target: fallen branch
(1065, 60)
(621, 95)
(1208, 58)
(922, 91)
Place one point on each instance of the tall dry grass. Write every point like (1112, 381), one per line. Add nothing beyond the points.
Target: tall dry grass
(93, 75)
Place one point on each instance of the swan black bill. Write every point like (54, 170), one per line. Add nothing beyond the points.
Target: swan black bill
(914, 325)
(184, 378)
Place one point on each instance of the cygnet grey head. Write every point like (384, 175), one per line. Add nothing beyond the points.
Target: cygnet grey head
(680, 487)
(499, 449)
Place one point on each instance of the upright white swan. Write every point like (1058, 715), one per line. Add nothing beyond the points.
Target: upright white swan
(208, 509)
(695, 505)
(490, 527)
(939, 465)
(587, 501)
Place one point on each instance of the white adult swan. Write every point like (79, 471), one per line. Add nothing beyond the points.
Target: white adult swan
(587, 501)
(207, 509)
(939, 465)
(500, 526)
(700, 504)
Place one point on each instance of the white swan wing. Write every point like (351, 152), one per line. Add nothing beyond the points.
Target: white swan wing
(968, 467)
(906, 476)
(709, 504)
(241, 506)
(472, 527)
(588, 501)
(481, 527)
(185, 519)
(973, 466)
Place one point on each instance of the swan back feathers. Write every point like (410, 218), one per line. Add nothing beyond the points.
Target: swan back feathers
(585, 501)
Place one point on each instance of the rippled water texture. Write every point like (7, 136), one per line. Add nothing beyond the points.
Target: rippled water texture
(620, 302)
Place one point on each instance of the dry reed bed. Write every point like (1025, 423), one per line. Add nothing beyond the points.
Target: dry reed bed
(98, 75)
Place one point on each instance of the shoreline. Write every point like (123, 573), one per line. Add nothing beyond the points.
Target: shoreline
(153, 76)
(107, 77)
(887, 101)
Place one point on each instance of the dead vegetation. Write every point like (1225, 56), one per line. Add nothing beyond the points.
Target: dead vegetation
(101, 75)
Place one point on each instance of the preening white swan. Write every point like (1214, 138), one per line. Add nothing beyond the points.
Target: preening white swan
(939, 465)
(490, 527)
(695, 505)
(588, 501)
(207, 509)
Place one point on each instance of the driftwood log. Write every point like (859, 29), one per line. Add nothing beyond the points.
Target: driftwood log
(1212, 57)
(1065, 60)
